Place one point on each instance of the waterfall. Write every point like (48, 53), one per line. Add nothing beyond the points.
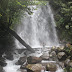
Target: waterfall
(38, 29)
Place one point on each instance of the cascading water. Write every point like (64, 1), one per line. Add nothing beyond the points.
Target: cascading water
(38, 29)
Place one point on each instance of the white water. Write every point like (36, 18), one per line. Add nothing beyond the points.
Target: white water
(38, 30)
(11, 67)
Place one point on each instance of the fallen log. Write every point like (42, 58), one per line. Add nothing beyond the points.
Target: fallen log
(20, 40)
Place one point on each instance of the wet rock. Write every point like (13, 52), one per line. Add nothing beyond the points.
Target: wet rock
(34, 68)
(33, 60)
(21, 61)
(51, 67)
(61, 56)
(1, 69)
(45, 56)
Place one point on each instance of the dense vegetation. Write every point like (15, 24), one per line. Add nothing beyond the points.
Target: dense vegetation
(10, 10)
(63, 17)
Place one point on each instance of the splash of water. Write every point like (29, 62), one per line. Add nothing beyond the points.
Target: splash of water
(38, 29)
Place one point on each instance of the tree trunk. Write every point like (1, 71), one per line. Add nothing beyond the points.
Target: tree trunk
(20, 40)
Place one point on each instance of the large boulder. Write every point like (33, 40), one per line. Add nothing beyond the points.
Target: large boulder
(21, 61)
(51, 66)
(34, 68)
(61, 56)
(33, 60)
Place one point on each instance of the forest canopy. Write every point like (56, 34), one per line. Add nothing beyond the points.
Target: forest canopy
(10, 9)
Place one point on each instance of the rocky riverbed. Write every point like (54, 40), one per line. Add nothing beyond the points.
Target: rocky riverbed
(52, 59)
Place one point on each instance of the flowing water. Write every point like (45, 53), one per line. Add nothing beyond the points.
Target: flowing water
(37, 30)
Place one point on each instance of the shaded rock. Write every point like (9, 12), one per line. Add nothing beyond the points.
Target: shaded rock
(51, 67)
(34, 67)
(21, 61)
(9, 56)
(45, 56)
(1, 69)
(2, 62)
(61, 56)
(33, 60)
